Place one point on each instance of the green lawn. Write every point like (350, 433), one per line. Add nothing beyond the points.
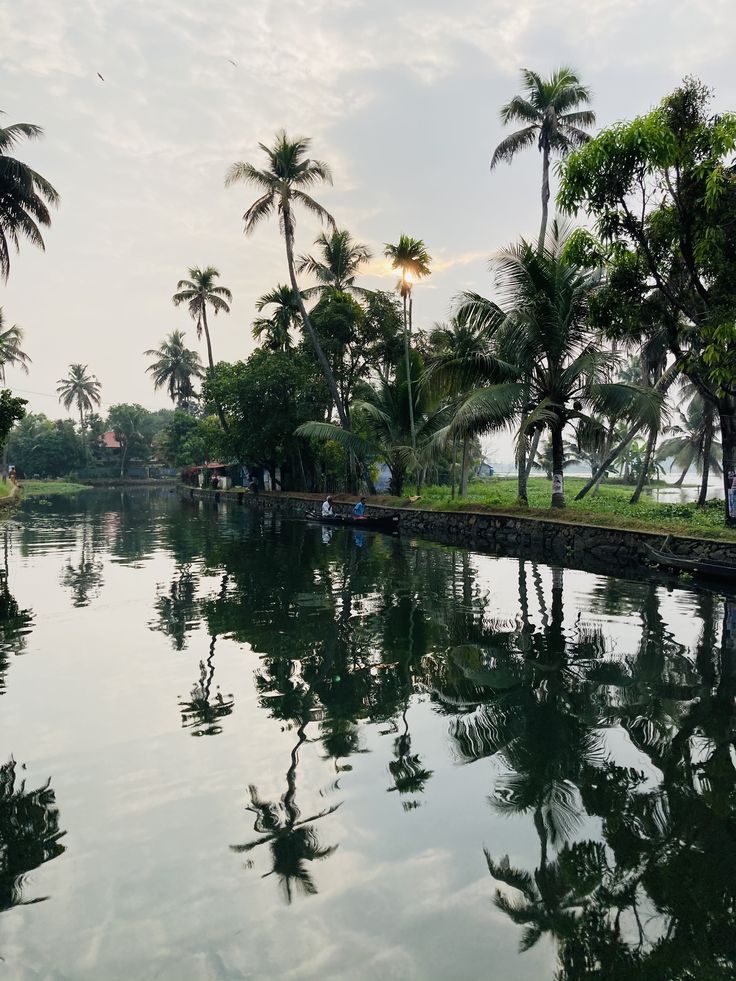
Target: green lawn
(44, 488)
(609, 507)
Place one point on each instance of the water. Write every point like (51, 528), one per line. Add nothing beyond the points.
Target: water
(237, 746)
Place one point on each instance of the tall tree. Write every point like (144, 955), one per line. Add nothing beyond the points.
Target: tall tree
(174, 368)
(199, 292)
(691, 441)
(551, 117)
(25, 196)
(284, 182)
(411, 258)
(340, 258)
(285, 316)
(11, 352)
(541, 329)
(81, 389)
(661, 190)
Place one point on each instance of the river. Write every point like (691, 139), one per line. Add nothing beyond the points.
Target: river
(243, 746)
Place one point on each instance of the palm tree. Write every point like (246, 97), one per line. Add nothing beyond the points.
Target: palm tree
(410, 256)
(339, 262)
(450, 344)
(174, 368)
(79, 388)
(25, 196)
(551, 117)
(692, 441)
(199, 292)
(285, 181)
(541, 329)
(385, 423)
(11, 352)
(284, 318)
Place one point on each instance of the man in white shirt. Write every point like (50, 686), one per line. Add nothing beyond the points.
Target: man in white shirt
(327, 511)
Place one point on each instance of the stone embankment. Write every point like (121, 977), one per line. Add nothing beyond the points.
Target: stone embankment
(604, 550)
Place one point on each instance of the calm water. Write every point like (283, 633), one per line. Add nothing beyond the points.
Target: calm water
(243, 747)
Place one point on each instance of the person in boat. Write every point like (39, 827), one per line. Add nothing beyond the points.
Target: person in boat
(359, 509)
(327, 511)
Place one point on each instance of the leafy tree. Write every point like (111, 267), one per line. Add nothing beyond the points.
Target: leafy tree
(409, 255)
(11, 352)
(187, 441)
(265, 399)
(174, 368)
(25, 196)
(134, 429)
(551, 117)
(338, 264)
(38, 445)
(384, 324)
(199, 292)
(541, 330)
(662, 193)
(81, 389)
(284, 318)
(12, 410)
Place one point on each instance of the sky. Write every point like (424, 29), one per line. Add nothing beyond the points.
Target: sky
(402, 100)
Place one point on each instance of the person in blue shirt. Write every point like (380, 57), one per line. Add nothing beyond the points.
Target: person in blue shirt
(359, 509)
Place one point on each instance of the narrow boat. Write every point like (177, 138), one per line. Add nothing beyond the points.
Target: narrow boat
(388, 523)
(698, 567)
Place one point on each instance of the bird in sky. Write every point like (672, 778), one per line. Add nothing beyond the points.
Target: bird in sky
(100, 77)
(233, 63)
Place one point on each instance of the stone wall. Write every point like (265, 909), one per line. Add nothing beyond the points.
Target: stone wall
(595, 549)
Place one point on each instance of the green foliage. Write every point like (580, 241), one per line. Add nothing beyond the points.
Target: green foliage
(264, 400)
(719, 354)
(134, 429)
(48, 448)
(188, 441)
(12, 410)
(175, 367)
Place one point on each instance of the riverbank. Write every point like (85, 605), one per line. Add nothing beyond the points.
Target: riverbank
(603, 549)
(47, 488)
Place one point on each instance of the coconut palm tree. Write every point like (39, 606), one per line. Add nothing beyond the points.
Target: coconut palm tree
(340, 259)
(692, 441)
(80, 389)
(385, 423)
(540, 327)
(25, 196)
(551, 117)
(174, 368)
(199, 292)
(284, 183)
(11, 352)
(285, 317)
(411, 258)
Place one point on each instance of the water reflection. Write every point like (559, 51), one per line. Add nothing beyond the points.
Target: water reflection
(15, 622)
(579, 729)
(29, 834)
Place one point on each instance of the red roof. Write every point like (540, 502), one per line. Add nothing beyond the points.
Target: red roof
(108, 441)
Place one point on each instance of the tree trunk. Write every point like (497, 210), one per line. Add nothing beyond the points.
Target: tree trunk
(681, 479)
(727, 415)
(545, 197)
(454, 464)
(464, 469)
(407, 356)
(709, 411)
(533, 452)
(318, 350)
(558, 467)
(645, 467)
(218, 406)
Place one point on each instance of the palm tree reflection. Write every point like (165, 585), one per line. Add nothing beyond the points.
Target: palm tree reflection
(292, 839)
(29, 834)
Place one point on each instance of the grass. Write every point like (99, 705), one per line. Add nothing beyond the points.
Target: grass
(610, 507)
(46, 488)
(5, 488)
